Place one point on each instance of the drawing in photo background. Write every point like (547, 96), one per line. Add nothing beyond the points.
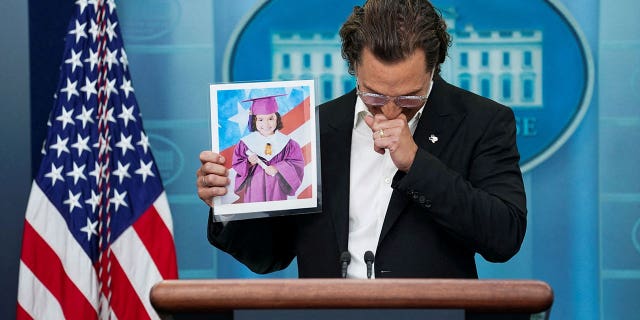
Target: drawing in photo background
(292, 146)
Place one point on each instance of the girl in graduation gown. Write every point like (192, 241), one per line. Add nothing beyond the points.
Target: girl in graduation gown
(269, 165)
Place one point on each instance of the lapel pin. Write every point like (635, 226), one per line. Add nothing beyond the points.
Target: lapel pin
(433, 138)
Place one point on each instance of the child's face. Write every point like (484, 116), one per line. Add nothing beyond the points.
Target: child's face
(266, 123)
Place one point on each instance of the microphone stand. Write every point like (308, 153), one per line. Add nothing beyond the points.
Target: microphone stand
(345, 259)
(368, 259)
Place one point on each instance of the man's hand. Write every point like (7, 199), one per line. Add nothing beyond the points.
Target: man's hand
(395, 136)
(211, 177)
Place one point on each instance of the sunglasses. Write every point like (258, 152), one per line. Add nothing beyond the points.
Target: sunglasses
(379, 100)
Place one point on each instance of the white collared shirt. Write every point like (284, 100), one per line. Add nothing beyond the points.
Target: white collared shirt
(371, 175)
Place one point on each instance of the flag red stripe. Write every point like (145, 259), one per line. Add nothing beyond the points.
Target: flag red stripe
(295, 117)
(158, 240)
(306, 193)
(228, 155)
(125, 302)
(306, 153)
(48, 268)
(22, 314)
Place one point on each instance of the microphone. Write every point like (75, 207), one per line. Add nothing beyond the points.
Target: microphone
(368, 259)
(345, 259)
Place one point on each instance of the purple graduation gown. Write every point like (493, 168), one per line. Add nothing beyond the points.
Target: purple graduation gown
(257, 184)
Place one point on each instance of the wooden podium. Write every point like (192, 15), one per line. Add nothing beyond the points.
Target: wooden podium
(490, 298)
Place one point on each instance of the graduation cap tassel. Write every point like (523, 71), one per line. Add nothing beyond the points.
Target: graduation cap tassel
(267, 149)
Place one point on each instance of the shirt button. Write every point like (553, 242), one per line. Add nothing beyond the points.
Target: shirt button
(387, 180)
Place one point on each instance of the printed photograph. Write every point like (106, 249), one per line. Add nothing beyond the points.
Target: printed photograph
(267, 133)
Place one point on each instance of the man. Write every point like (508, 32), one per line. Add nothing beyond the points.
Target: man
(419, 172)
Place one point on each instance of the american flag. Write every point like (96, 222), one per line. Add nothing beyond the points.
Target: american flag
(98, 230)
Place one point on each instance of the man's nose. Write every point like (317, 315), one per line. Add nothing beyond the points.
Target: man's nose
(390, 110)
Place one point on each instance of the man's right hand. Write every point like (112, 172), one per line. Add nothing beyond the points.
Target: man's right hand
(211, 177)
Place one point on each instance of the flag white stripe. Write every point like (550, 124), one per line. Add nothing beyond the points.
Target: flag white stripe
(138, 266)
(50, 225)
(162, 206)
(306, 180)
(111, 315)
(301, 134)
(32, 290)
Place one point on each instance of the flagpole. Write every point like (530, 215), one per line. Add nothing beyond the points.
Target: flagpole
(104, 218)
